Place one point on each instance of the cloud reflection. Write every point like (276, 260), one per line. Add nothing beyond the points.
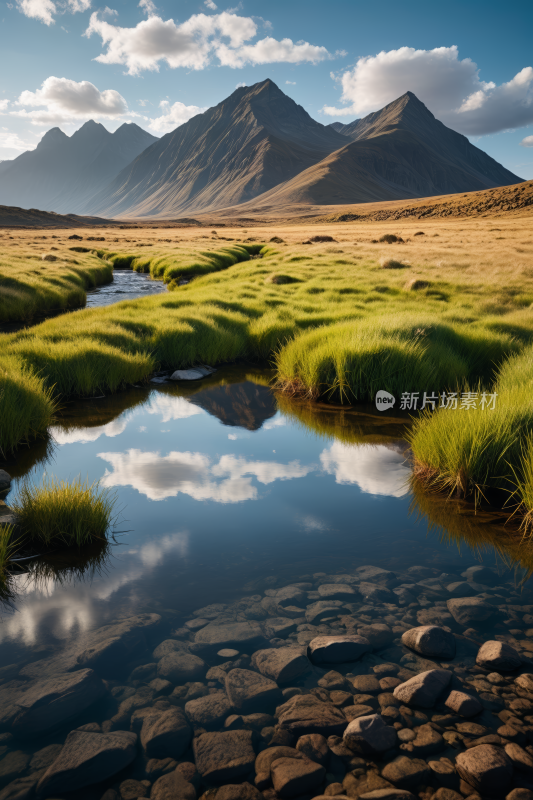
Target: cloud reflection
(376, 469)
(83, 435)
(169, 407)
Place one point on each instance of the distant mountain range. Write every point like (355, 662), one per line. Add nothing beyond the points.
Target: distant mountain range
(257, 149)
(64, 172)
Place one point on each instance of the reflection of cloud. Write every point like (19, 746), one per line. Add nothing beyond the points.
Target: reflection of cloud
(159, 477)
(376, 469)
(153, 552)
(277, 422)
(311, 523)
(114, 428)
(172, 407)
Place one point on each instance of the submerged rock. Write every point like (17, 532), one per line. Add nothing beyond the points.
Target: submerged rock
(431, 641)
(233, 634)
(222, 756)
(181, 667)
(282, 664)
(249, 691)
(424, 689)
(487, 768)
(165, 734)
(369, 735)
(307, 714)
(469, 610)
(337, 649)
(498, 656)
(293, 777)
(466, 705)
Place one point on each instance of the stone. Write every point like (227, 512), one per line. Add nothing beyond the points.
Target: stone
(187, 375)
(525, 681)
(322, 609)
(522, 761)
(304, 714)
(466, 705)
(5, 480)
(498, 656)
(278, 627)
(430, 641)
(282, 664)
(37, 707)
(13, 765)
(43, 758)
(290, 596)
(461, 589)
(208, 711)
(314, 746)
(468, 611)
(131, 789)
(520, 794)
(447, 794)
(240, 791)
(337, 591)
(88, 758)
(486, 768)
(249, 691)
(369, 735)
(376, 575)
(424, 689)
(480, 574)
(366, 684)
(352, 712)
(226, 653)
(172, 786)
(169, 646)
(181, 667)
(378, 634)
(266, 758)
(166, 734)
(293, 777)
(388, 794)
(156, 767)
(239, 635)
(426, 742)
(223, 756)
(407, 773)
(377, 594)
(337, 649)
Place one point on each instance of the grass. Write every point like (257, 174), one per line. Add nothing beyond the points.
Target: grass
(57, 513)
(8, 548)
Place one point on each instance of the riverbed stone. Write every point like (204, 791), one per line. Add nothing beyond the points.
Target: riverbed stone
(431, 641)
(466, 705)
(278, 627)
(461, 589)
(166, 733)
(5, 480)
(487, 768)
(208, 711)
(290, 596)
(407, 773)
(369, 735)
(376, 575)
(337, 591)
(181, 667)
(498, 656)
(322, 609)
(239, 635)
(172, 786)
(376, 593)
(238, 791)
(37, 707)
(337, 649)
(222, 756)
(250, 692)
(481, 574)
(282, 664)
(314, 746)
(378, 634)
(88, 758)
(424, 689)
(292, 777)
(468, 611)
(303, 714)
(521, 759)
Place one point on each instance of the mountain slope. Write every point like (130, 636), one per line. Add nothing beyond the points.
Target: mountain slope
(252, 141)
(64, 171)
(400, 152)
(346, 130)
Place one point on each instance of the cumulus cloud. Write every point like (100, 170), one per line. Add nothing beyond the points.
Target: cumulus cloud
(375, 469)
(63, 100)
(212, 6)
(9, 140)
(527, 142)
(172, 116)
(450, 87)
(3, 104)
(44, 10)
(148, 7)
(195, 44)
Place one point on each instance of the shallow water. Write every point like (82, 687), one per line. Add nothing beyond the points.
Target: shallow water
(225, 496)
(126, 285)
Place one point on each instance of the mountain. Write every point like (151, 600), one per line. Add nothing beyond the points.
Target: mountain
(346, 130)
(242, 405)
(244, 146)
(398, 153)
(63, 172)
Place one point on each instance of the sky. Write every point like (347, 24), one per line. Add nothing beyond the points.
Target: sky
(63, 62)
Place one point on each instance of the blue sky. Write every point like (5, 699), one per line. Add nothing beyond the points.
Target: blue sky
(161, 62)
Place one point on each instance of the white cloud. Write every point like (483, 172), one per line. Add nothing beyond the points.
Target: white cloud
(9, 140)
(114, 428)
(172, 116)
(63, 100)
(451, 88)
(277, 422)
(265, 471)
(527, 142)
(376, 469)
(3, 104)
(148, 7)
(209, 3)
(44, 10)
(195, 43)
(170, 408)
(290, 83)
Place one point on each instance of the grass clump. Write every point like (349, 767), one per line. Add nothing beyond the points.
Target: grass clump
(8, 548)
(57, 513)
(27, 404)
(279, 280)
(390, 238)
(392, 263)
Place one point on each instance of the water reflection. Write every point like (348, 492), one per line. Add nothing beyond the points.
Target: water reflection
(376, 469)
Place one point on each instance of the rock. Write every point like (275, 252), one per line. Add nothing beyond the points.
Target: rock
(407, 773)
(468, 611)
(13, 765)
(208, 711)
(337, 591)
(169, 646)
(487, 768)
(181, 667)
(374, 593)
(498, 656)
(424, 689)
(337, 649)
(405, 597)
(290, 596)
(369, 735)
(520, 794)
(304, 714)
(322, 609)
(376, 575)
(240, 791)
(426, 742)
(187, 375)
(378, 634)
(266, 758)
(222, 756)
(522, 761)
(484, 575)
(525, 681)
(461, 589)
(466, 705)
(248, 691)
(282, 664)
(430, 641)
(292, 777)
(5, 480)
(227, 654)
(132, 789)
(166, 734)
(388, 794)
(314, 746)
(366, 684)
(276, 627)
(240, 635)
(172, 786)
(43, 758)
(33, 709)
(88, 758)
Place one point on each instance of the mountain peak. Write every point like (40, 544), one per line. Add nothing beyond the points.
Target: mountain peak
(52, 137)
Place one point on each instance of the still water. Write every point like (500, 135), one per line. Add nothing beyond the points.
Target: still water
(126, 285)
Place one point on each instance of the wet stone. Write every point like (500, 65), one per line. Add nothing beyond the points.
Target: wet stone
(237, 635)
(461, 589)
(407, 773)
(468, 611)
(431, 641)
(240, 791)
(424, 689)
(304, 714)
(181, 667)
(466, 705)
(337, 591)
(426, 742)
(208, 711)
(522, 760)
(337, 649)
(249, 691)
(282, 665)
(165, 733)
(480, 574)
(378, 634)
(293, 777)
(375, 593)
(498, 656)
(223, 756)
(131, 789)
(13, 765)
(172, 786)
(366, 684)
(376, 575)
(43, 758)
(369, 735)
(487, 768)
(314, 746)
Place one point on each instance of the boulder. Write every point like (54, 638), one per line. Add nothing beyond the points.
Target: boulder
(88, 758)
(238, 791)
(266, 758)
(169, 646)
(521, 759)
(461, 589)
(249, 692)
(378, 634)
(290, 596)
(407, 773)
(223, 756)
(282, 664)
(314, 746)
(377, 594)
(181, 667)
(337, 649)
(322, 609)
(498, 656)
(390, 794)
(165, 734)
(337, 591)
(369, 735)
(278, 627)
(424, 689)
(525, 681)
(307, 714)
(466, 705)
(430, 641)
(487, 768)
(240, 635)
(292, 777)
(376, 575)
(5, 480)
(483, 575)
(468, 611)
(172, 786)
(209, 711)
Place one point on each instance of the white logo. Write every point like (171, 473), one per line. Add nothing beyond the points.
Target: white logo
(384, 400)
